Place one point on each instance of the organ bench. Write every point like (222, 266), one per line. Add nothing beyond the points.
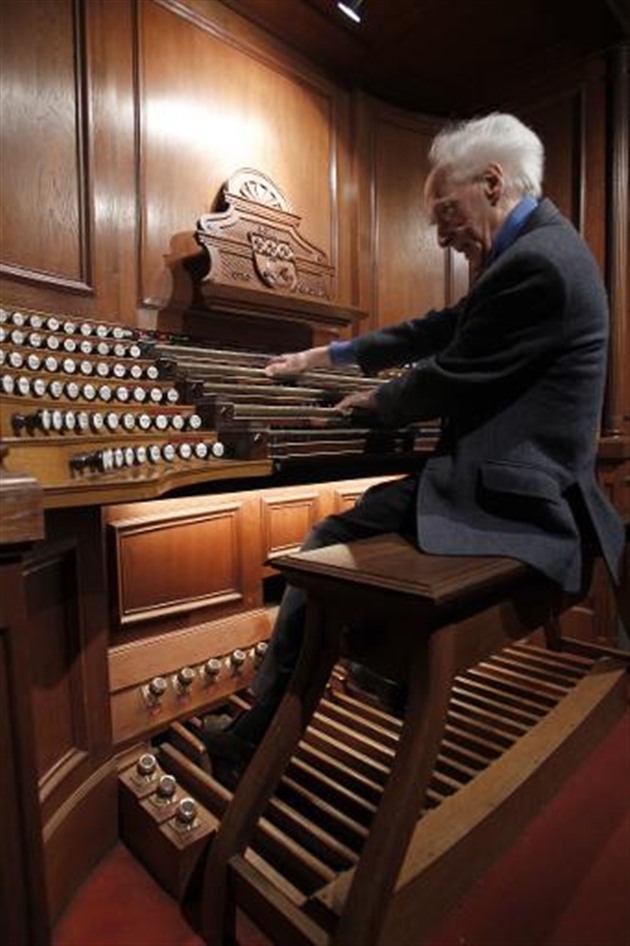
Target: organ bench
(440, 616)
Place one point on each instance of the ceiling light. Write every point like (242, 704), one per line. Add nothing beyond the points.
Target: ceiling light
(351, 8)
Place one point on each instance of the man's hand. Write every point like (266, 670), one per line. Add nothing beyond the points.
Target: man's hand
(299, 361)
(365, 400)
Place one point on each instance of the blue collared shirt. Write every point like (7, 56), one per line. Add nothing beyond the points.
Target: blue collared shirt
(510, 228)
(343, 353)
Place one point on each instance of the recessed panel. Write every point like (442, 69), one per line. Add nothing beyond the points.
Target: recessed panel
(55, 648)
(180, 563)
(42, 225)
(287, 521)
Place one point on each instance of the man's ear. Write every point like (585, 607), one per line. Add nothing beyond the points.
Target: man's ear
(493, 183)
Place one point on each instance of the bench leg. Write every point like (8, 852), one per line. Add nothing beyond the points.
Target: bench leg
(433, 664)
(319, 652)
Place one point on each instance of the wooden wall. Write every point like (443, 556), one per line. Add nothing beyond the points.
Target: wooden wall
(122, 119)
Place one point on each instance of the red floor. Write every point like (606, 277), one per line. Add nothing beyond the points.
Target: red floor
(563, 883)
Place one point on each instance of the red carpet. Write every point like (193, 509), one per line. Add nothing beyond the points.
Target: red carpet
(563, 883)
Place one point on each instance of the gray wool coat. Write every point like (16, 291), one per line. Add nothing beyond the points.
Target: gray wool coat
(516, 371)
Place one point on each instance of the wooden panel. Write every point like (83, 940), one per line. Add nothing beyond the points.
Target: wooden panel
(593, 104)
(51, 588)
(286, 519)
(210, 105)
(180, 562)
(582, 118)
(23, 915)
(71, 742)
(618, 401)
(133, 665)
(558, 122)
(44, 225)
(410, 272)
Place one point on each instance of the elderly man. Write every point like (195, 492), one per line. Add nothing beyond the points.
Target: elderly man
(515, 371)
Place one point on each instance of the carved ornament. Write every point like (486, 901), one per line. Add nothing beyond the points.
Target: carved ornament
(252, 241)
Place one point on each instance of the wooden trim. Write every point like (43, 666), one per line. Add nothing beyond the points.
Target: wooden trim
(618, 224)
(13, 271)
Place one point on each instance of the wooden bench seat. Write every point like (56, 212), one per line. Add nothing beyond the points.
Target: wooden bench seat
(439, 616)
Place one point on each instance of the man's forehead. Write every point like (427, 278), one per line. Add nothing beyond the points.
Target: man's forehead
(438, 185)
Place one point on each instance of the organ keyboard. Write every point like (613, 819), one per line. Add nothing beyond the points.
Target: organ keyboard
(91, 407)
(293, 422)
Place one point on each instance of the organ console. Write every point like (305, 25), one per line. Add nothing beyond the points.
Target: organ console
(173, 473)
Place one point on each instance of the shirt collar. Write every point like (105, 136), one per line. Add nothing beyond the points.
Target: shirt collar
(511, 227)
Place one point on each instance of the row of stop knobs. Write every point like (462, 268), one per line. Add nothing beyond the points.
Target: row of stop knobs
(81, 345)
(207, 673)
(116, 458)
(50, 323)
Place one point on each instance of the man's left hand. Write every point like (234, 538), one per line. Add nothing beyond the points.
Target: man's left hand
(365, 400)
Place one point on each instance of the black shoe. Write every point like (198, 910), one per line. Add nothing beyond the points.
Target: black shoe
(391, 695)
(216, 722)
(229, 753)
(227, 773)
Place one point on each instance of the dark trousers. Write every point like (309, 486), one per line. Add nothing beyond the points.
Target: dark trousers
(387, 507)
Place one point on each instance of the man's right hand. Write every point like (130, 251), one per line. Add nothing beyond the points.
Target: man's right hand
(298, 362)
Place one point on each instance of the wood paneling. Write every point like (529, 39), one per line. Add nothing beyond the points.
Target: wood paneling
(181, 563)
(51, 587)
(558, 121)
(209, 107)
(287, 518)
(68, 180)
(24, 919)
(133, 665)
(44, 224)
(582, 118)
(67, 642)
(407, 271)
(618, 403)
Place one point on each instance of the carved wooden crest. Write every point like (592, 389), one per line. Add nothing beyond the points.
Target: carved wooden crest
(253, 241)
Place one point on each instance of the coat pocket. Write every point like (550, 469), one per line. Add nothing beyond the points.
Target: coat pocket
(519, 480)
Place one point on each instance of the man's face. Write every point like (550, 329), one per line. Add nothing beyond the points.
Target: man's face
(464, 213)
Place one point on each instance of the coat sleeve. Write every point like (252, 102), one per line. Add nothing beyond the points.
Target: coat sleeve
(512, 326)
(407, 342)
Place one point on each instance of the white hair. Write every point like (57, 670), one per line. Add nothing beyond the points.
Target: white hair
(467, 148)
